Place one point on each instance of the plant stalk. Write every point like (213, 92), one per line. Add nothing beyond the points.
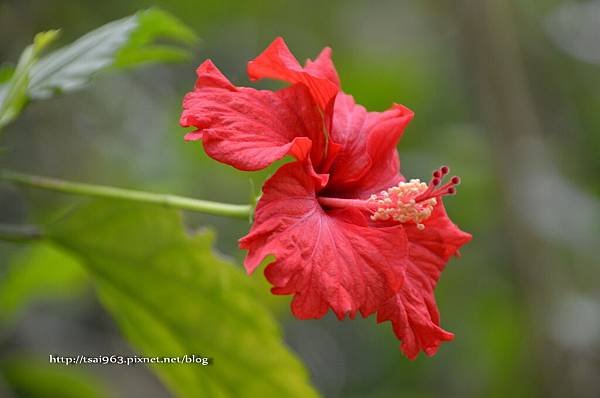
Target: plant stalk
(103, 191)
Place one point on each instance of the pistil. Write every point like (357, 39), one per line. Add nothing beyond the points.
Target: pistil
(406, 202)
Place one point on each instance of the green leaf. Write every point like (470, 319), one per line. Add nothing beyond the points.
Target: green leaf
(124, 42)
(171, 295)
(6, 72)
(13, 94)
(31, 378)
(42, 271)
(152, 24)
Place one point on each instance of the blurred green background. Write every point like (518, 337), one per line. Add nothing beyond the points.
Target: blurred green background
(507, 93)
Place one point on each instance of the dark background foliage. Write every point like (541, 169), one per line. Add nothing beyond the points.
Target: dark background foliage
(505, 92)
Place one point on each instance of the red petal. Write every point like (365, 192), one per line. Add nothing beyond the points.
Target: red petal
(323, 66)
(210, 76)
(277, 62)
(367, 160)
(193, 136)
(413, 311)
(325, 259)
(250, 129)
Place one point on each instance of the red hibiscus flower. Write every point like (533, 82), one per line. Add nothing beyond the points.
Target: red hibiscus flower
(347, 231)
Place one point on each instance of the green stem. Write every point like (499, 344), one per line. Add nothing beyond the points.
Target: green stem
(166, 200)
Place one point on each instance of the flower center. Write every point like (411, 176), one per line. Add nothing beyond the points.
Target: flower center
(411, 201)
(399, 203)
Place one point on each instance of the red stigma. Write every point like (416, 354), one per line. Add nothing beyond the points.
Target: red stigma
(434, 191)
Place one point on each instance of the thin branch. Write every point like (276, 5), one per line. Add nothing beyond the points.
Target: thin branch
(166, 200)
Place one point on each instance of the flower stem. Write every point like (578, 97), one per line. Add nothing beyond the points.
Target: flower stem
(166, 200)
